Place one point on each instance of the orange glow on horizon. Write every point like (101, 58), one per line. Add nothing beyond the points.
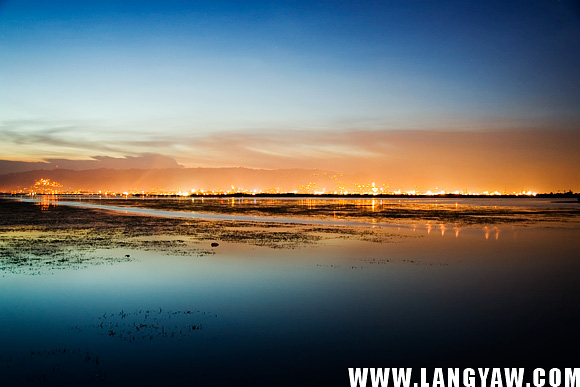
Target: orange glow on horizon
(47, 186)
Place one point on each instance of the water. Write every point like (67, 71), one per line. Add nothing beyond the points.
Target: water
(502, 294)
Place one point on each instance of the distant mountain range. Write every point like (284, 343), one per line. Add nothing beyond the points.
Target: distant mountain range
(179, 179)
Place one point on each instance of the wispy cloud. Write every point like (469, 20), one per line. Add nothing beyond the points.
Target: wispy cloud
(35, 138)
(541, 156)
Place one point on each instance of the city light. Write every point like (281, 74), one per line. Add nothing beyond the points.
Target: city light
(45, 186)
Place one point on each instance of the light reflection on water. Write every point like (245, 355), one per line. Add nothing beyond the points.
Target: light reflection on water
(405, 202)
(440, 206)
(438, 294)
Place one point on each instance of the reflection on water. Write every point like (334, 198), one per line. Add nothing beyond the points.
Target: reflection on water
(431, 294)
(484, 232)
(391, 213)
(364, 204)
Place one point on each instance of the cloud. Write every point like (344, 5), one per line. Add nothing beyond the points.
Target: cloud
(146, 161)
(38, 138)
(500, 159)
(497, 156)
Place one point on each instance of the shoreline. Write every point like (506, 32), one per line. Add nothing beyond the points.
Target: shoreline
(206, 216)
(291, 195)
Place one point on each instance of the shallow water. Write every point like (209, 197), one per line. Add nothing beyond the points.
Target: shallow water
(399, 212)
(500, 295)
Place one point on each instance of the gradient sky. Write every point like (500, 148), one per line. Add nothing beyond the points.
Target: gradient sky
(350, 86)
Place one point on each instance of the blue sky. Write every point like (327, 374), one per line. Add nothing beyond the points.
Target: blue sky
(123, 78)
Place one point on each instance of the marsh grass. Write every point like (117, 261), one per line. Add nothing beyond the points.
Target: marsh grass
(36, 239)
(366, 210)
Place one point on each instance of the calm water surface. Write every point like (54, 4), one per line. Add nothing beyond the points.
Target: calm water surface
(503, 295)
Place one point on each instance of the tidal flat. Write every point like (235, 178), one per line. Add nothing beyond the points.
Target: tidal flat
(106, 297)
(456, 211)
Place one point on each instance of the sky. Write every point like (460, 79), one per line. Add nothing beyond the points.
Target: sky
(459, 94)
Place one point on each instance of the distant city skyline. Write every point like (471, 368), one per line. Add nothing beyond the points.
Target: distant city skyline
(436, 94)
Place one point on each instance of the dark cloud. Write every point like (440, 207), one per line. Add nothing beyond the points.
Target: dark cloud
(146, 161)
(7, 166)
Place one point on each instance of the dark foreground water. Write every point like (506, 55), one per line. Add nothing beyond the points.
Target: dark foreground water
(267, 314)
